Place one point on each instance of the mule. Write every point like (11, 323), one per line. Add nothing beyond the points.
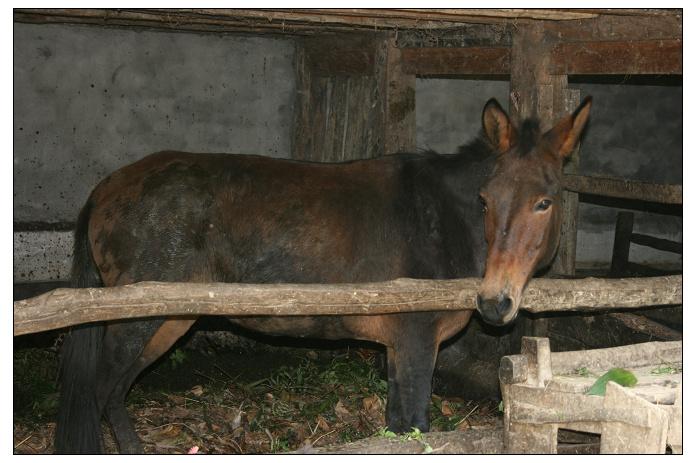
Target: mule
(176, 216)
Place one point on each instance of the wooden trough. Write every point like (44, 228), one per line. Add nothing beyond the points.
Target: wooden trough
(544, 392)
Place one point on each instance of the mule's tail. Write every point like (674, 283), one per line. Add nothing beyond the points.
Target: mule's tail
(78, 429)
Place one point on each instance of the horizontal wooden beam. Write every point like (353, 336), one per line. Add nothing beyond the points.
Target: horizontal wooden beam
(657, 243)
(626, 57)
(610, 25)
(65, 306)
(626, 189)
(340, 54)
(567, 25)
(462, 61)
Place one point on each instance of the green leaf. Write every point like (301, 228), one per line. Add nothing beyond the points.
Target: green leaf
(618, 375)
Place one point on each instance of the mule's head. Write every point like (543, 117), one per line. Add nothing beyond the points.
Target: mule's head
(522, 204)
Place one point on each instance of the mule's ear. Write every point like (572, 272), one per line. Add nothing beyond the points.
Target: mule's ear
(564, 137)
(496, 124)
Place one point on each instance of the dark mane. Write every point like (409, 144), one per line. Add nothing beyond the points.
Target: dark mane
(529, 136)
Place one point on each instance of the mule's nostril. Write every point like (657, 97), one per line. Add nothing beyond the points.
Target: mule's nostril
(503, 306)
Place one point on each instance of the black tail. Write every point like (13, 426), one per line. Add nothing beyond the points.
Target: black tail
(78, 429)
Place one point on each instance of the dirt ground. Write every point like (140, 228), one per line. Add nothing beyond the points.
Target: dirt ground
(240, 401)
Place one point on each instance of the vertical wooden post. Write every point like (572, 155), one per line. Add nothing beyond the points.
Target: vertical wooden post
(622, 243)
(339, 110)
(400, 103)
(565, 258)
(354, 101)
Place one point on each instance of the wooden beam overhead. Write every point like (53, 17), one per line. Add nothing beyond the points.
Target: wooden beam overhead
(463, 61)
(567, 24)
(632, 57)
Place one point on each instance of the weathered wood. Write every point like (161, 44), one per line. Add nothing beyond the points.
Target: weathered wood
(66, 306)
(622, 243)
(565, 102)
(629, 57)
(644, 325)
(281, 21)
(530, 80)
(336, 118)
(463, 35)
(611, 25)
(631, 356)
(657, 243)
(493, 60)
(625, 436)
(626, 189)
(351, 54)
(400, 102)
(600, 24)
(636, 420)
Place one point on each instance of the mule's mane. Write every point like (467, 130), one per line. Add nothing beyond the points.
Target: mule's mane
(528, 136)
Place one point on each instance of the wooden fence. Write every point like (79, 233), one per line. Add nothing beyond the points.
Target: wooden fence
(67, 306)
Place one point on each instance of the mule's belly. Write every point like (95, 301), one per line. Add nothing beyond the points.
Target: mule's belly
(382, 329)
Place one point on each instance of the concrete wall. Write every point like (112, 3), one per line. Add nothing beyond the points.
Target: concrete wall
(635, 132)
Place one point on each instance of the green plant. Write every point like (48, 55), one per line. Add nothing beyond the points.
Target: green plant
(177, 358)
(384, 432)
(666, 369)
(417, 435)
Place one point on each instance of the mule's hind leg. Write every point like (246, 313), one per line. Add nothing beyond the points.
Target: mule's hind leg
(126, 357)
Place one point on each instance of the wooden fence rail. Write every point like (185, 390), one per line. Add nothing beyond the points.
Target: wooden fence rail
(66, 306)
(622, 188)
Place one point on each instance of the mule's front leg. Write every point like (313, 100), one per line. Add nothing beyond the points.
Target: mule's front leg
(410, 368)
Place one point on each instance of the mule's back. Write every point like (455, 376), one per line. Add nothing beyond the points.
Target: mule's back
(217, 217)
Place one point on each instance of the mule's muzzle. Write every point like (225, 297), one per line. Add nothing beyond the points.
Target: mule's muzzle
(496, 311)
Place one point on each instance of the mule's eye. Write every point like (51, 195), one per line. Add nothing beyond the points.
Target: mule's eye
(484, 205)
(543, 205)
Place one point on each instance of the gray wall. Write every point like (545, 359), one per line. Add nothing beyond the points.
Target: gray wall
(635, 132)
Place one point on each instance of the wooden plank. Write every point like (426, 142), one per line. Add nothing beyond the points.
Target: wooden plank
(618, 28)
(626, 189)
(350, 54)
(68, 306)
(400, 102)
(565, 102)
(644, 325)
(336, 118)
(592, 25)
(457, 61)
(657, 243)
(627, 57)
(622, 243)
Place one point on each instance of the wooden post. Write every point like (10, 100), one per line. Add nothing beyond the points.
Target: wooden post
(400, 102)
(339, 79)
(622, 243)
(354, 100)
(565, 258)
